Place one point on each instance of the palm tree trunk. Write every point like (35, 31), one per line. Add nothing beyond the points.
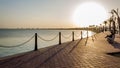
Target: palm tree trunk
(119, 24)
(110, 26)
(114, 28)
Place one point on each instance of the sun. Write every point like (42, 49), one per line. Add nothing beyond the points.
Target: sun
(89, 13)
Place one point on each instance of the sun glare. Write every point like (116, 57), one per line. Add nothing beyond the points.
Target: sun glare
(89, 13)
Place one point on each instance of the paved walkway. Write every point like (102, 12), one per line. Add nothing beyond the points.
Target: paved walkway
(94, 52)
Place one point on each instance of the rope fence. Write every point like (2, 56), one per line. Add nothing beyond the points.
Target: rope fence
(78, 35)
(86, 34)
(67, 37)
(58, 36)
(48, 39)
(18, 44)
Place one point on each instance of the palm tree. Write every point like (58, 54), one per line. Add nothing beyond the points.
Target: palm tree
(110, 23)
(118, 18)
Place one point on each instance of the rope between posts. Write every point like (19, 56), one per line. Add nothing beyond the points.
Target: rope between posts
(67, 36)
(48, 39)
(77, 35)
(85, 34)
(18, 44)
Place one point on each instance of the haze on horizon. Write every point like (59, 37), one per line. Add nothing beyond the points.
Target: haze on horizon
(43, 13)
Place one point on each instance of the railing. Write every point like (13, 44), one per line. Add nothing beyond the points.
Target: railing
(59, 36)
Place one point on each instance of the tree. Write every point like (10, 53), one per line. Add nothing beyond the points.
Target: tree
(118, 18)
(110, 24)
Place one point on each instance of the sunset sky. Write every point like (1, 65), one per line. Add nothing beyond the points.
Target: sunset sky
(43, 13)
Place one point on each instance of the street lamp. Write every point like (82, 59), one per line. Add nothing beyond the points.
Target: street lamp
(105, 22)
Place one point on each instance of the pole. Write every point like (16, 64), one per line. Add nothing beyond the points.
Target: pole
(81, 35)
(87, 33)
(59, 38)
(73, 36)
(103, 29)
(35, 42)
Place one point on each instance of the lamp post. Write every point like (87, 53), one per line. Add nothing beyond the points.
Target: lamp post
(105, 22)
(103, 28)
(100, 28)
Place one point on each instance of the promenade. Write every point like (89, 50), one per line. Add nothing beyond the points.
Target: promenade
(91, 52)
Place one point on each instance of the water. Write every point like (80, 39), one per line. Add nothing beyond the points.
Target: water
(10, 37)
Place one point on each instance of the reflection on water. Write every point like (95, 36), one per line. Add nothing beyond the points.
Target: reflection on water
(15, 37)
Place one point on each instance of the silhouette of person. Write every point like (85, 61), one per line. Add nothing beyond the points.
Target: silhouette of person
(111, 37)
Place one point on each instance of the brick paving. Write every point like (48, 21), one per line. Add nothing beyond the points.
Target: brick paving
(94, 52)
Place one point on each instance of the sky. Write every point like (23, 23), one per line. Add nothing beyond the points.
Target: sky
(43, 13)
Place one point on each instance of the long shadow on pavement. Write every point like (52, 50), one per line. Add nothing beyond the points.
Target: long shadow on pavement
(117, 46)
(116, 54)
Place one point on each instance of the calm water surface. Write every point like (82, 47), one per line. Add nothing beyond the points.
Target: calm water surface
(13, 37)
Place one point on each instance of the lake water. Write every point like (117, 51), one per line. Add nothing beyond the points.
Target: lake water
(13, 37)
